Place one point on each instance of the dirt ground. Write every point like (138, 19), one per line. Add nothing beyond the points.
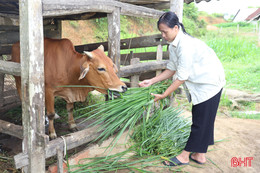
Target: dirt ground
(238, 138)
(241, 138)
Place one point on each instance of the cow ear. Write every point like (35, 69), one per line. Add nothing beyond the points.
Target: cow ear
(89, 54)
(83, 70)
(101, 47)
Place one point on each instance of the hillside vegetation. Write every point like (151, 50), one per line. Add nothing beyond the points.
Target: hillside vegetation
(95, 30)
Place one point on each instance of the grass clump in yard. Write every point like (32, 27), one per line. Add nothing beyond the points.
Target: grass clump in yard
(166, 132)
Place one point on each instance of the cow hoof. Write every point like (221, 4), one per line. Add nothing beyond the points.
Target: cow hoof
(56, 116)
(74, 129)
(53, 136)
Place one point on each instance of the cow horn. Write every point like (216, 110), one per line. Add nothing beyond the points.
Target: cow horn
(101, 47)
(89, 54)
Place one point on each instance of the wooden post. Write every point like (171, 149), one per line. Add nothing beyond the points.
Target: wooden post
(2, 85)
(114, 36)
(135, 78)
(32, 83)
(159, 56)
(259, 33)
(59, 28)
(177, 7)
(59, 160)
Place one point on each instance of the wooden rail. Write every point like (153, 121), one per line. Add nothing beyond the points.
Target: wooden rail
(11, 129)
(129, 43)
(52, 8)
(72, 140)
(135, 69)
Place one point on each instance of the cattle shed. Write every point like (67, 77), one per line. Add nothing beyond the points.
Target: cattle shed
(29, 21)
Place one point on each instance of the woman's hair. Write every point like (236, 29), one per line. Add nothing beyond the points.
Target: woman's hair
(171, 19)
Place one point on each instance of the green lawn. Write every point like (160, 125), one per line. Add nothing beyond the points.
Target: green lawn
(239, 55)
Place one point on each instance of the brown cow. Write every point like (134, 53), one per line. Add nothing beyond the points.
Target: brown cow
(64, 66)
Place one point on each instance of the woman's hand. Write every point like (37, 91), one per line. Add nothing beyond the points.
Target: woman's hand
(145, 83)
(158, 97)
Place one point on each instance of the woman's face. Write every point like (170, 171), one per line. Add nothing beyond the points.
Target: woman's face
(168, 34)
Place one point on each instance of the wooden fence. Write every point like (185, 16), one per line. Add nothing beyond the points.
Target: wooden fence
(36, 145)
(132, 70)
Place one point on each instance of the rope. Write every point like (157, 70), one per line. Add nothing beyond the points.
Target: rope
(65, 148)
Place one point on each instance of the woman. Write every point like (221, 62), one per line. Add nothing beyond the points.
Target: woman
(197, 67)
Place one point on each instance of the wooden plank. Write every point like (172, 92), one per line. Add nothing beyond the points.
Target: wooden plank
(5, 108)
(53, 8)
(10, 99)
(125, 58)
(72, 140)
(9, 28)
(159, 6)
(142, 68)
(32, 75)
(52, 34)
(9, 37)
(5, 50)
(131, 43)
(12, 36)
(15, 28)
(114, 36)
(12, 92)
(11, 129)
(10, 68)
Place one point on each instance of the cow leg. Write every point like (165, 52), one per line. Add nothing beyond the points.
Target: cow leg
(18, 85)
(72, 124)
(49, 102)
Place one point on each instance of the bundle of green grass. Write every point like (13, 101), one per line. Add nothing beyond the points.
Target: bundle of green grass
(154, 128)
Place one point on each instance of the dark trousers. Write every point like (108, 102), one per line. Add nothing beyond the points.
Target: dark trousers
(202, 128)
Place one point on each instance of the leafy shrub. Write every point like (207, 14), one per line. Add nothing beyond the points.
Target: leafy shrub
(192, 24)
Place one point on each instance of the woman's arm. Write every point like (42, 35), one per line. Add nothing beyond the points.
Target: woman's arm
(164, 75)
(169, 90)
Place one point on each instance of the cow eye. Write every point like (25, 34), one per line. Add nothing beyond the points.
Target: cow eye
(101, 69)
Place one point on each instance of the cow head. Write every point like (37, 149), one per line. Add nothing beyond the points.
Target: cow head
(100, 71)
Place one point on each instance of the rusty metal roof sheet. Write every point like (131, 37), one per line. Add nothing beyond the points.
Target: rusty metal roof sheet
(254, 16)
